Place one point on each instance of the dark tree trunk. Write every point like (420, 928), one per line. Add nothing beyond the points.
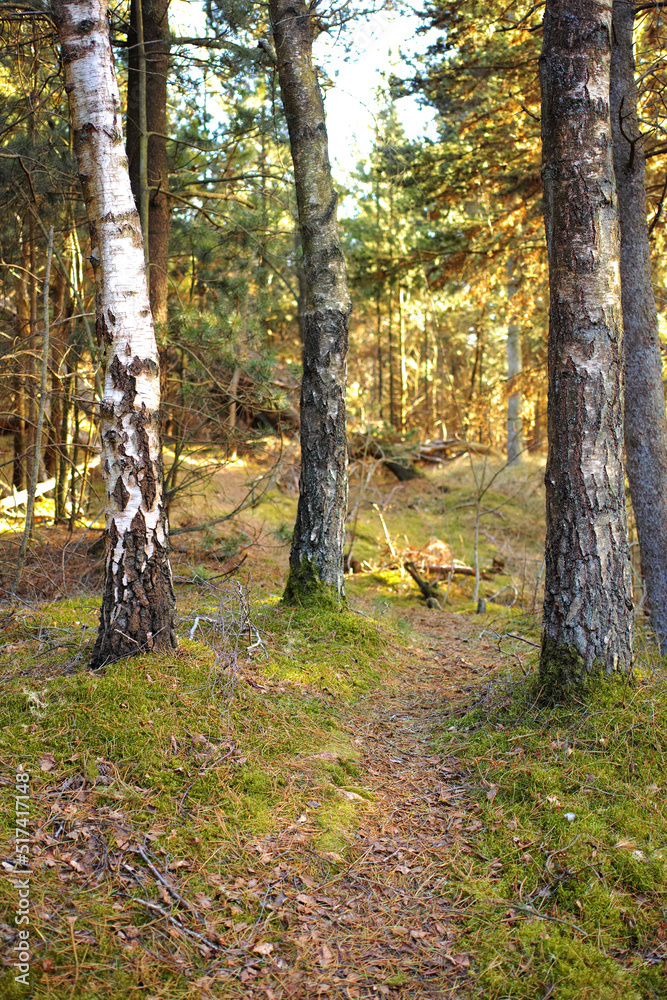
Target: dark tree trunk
(138, 602)
(645, 421)
(587, 624)
(316, 558)
(157, 48)
(20, 346)
(59, 336)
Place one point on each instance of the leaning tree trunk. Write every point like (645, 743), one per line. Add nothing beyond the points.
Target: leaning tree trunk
(587, 624)
(316, 559)
(645, 421)
(138, 603)
(156, 47)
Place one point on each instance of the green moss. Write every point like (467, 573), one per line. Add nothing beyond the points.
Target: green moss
(192, 760)
(563, 673)
(563, 879)
(305, 588)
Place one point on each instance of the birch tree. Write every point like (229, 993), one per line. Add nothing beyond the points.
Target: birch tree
(645, 420)
(587, 624)
(138, 602)
(316, 557)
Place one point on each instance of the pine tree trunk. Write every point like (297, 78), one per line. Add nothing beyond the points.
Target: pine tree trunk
(316, 558)
(645, 421)
(587, 624)
(138, 603)
(157, 49)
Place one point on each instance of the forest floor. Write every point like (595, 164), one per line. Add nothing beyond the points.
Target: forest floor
(295, 805)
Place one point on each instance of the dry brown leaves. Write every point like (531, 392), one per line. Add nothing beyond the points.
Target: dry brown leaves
(283, 919)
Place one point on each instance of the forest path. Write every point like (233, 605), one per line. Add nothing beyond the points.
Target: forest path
(386, 923)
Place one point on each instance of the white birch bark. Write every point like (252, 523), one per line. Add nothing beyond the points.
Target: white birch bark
(138, 606)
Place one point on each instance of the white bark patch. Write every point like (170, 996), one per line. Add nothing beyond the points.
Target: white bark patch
(131, 446)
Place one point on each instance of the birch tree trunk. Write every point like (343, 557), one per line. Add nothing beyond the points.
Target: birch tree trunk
(316, 558)
(587, 623)
(645, 420)
(138, 603)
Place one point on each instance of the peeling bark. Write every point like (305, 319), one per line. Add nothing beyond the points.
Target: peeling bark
(645, 420)
(316, 558)
(138, 602)
(587, 623)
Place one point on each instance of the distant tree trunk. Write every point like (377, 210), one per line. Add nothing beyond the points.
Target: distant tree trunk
(587, 624)
(645, 421)
(378, 335)
(157, 52)
(20, 347)
(427, 380)
(537, 432)
(391, 360)
(138, 603)
(402, 369)
(59, 333)
(514, 430)
(316, 558)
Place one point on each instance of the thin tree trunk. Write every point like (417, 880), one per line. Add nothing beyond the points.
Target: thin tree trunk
(391, 355)
(316, 558)
(41, 409)
(402, 370)
(58, 342)
(378, 335)
(587, 623)
(63, 451)
(153, 16)
(138, 603)
(537, 432)
(19, 362)
(645, 421)
(427, 378)
(514, 430)
(31, 355)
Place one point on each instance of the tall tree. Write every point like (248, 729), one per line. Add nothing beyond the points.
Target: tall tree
(138, 603)
(316, 557)
(147, 128)
(587, 624)
(645, 420)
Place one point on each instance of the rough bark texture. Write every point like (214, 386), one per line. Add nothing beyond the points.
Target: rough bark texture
(587, 624)
(157, 47)
(645, 421)
(316, 559)
(138, 604)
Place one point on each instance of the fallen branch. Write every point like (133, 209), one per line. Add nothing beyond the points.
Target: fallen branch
(427, 590)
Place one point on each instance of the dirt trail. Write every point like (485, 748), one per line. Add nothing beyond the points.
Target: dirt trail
(386, 924)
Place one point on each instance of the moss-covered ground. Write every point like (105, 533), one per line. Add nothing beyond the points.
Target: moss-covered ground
(303, 803)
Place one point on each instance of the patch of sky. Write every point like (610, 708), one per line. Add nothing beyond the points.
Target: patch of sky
(355, 65)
